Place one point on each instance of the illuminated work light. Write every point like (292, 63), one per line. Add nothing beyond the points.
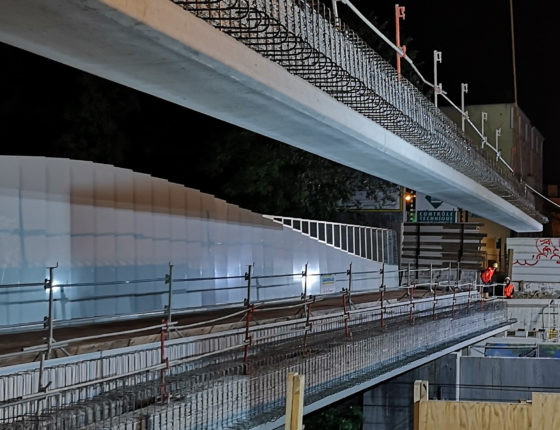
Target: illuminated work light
(409, 197)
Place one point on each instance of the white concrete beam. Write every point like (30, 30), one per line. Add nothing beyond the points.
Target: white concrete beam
(348, 392)
(156, 47)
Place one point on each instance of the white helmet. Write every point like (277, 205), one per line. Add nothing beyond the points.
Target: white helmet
(508, 278)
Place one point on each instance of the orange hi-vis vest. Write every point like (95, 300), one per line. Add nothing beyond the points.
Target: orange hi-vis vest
(508, 290)
(486, 276)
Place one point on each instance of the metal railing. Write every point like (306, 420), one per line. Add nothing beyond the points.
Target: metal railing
(209, 381)
(170, 295)
(306, 39)
(343, 287)
(373, 243)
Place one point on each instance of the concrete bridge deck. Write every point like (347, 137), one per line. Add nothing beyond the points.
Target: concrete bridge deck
(204, 381)
(156, 47)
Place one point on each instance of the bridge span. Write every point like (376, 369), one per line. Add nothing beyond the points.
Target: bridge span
(281, 68)
(211, 370)
(130, 302)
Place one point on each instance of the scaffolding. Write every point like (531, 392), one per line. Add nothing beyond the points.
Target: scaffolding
(234, 376)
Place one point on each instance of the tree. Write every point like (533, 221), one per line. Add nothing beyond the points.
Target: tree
(271, 177)
(95, 122)
(347, 415)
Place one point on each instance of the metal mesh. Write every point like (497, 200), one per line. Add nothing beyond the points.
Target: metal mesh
(303, 37)
(221, 391)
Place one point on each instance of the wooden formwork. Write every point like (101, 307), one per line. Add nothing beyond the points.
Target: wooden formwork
(540, 413)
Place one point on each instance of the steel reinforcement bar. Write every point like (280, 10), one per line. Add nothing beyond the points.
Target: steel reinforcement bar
(204, 383)
(305, 38)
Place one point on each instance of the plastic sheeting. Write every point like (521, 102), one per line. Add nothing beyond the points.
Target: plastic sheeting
(105, 226)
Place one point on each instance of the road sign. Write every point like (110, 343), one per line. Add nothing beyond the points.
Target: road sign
(436, 203)
(447, 217)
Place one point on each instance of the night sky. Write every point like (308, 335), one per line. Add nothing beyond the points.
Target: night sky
(475, 39)
(41, 101)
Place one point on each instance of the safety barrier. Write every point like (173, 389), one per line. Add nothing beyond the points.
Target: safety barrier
(208, 381)
(377, 244)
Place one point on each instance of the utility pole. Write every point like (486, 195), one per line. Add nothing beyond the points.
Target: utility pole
(513, 53)
(295, 385)
(516, 150)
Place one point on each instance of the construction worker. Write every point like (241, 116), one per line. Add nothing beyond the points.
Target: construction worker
(508, 288)
(486, 278)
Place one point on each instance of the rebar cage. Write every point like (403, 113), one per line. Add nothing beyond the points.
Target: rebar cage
(305, 38)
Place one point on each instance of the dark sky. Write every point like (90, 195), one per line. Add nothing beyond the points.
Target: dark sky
(38, 95)
(475, 39)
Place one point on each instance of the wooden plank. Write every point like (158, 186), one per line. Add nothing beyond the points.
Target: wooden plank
(294, 401)
(457, 231)
(430, 251)
(438, 264)
(297, 402)
(542, 414)
(429, 225)
(473, 415)
(440, 244)
(456, 234)
(546, 411)
(289, 397)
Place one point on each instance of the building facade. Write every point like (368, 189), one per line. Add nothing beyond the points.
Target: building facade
(508, 129)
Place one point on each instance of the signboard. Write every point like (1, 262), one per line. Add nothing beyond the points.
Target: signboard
(430, 203)
(447, 217)
(327, 284)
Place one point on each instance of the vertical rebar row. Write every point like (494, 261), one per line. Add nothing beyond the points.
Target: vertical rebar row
(306, 39)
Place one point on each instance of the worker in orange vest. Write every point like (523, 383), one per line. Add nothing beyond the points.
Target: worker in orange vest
(508, 288)
(486, 278)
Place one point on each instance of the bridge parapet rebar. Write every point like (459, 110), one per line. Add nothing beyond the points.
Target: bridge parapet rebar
(205, 376)
(306, 39)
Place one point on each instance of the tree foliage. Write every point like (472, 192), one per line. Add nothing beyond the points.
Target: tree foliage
(271, 177)
(345, 416)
